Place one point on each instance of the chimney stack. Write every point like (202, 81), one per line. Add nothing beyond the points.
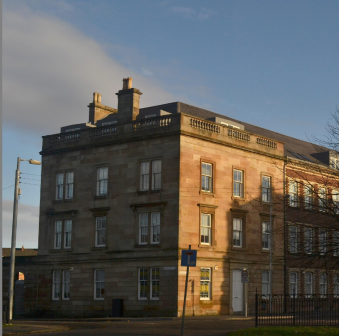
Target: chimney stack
(128, 102)
(97, 111)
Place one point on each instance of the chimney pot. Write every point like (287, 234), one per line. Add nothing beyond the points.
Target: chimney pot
(127, 83)
(95, 97)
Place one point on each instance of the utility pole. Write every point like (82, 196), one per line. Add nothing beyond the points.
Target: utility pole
(13, 246)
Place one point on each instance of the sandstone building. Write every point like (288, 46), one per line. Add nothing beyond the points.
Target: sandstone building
(125, 193)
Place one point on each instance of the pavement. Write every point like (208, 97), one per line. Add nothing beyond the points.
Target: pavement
(32, 326)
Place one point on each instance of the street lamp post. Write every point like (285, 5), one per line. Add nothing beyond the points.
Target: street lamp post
(13, 246)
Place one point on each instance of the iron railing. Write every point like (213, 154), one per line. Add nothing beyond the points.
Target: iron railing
(307, 310)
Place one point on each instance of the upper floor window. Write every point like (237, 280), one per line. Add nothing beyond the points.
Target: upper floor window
(205, 283)
(293, 238)
(237, 232)
(99, 284)
(293, 192)
(67, 233)
(308, 283)
(335, 239)
(322, 199)
(69, 185)
(206, 177)
(102, 181)
(322, 241)
(266, 189)
(266, 236)
(149, 221)
(238, 183)
(66, 227)
(205, 231)
(308, 197)
(59, 186)
(335, 199)
(153, 169)
(57, 234)
(308, 240)
(335, 163)
(100, 231)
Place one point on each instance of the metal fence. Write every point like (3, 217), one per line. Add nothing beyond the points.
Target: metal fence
(307, 310)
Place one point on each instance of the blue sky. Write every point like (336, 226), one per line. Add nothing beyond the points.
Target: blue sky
(270, 63)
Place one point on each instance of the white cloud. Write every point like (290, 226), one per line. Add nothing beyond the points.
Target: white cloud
(50, 71)
(190, 13)
(27, 225)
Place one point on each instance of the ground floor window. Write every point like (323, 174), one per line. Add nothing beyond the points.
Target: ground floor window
(266, 284)
(99, 284)
(56, 285)
(293, 283)
(308, 283)
(155, 283)
(336, 285)
(148, 282)
(205, 283)
(66, 282)
(323, 284)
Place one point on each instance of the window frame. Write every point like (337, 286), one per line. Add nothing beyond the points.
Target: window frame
(68, 184)
(241, 184)
(296, 235)
(322, 199)
(149, 227)
(209, 178)
(209, 284)
(293, 188)
(266, 233)
(323, 240)
(69, 234)
(335, 242)
(335, 201)
(324, 284)
(145, 285)
(296, 284)
(308, 241)
(152, 281)
(96, 282)
(58, 235)
(309, 284)
(336, 285)
(266, 283)
(96, 231)
(150, 184)
(209, 228)
(99, 181)
(152, 214)
(66, 284)
(266, 190)
(59, 186)
(240, 233)
(56, 276)
(308, 197)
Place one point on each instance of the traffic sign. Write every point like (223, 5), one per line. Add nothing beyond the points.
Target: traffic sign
(189, 258)
(244, 276)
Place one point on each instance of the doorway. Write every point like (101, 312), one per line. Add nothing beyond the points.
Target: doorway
(237, 292)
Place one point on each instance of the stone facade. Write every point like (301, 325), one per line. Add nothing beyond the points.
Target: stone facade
(201, 182)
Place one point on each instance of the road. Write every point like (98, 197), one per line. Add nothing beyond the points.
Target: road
(202, 325)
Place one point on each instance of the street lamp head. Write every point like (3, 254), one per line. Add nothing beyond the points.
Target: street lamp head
(35, 162)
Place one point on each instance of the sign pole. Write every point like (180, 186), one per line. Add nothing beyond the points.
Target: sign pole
(183, 310)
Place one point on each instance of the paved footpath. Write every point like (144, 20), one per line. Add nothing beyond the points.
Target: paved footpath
(198, 325)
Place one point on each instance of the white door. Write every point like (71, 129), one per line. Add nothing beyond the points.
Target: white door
(238, 292)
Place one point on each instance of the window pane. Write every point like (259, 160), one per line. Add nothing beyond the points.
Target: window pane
(144, 175)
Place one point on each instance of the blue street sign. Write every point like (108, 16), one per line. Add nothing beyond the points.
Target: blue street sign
(189, 258)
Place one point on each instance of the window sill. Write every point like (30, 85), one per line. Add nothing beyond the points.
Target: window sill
(57, 201)
(60, 250)
(96, 248)
(265, 251)
(206, 301)
(238, 248)
(147, 246)
(206, 193)
(203, 246)
(99, 299)
(100, 196)
(147, 192)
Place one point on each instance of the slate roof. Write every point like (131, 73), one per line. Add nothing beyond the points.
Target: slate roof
(294, 148)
